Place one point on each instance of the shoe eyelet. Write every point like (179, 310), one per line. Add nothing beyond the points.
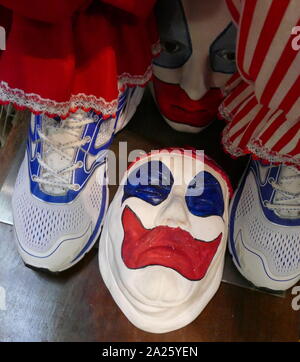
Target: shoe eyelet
(88, 139)
(76, 187)
(266, 203)
(79, 164)
(271, 181)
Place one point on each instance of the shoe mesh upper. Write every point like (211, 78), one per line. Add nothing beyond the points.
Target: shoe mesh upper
(283, 249)
(40, 224)
(96, 195)
(280, 245)
(247, 201)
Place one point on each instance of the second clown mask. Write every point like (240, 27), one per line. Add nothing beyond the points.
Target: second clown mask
(162, 247)
(197, 59)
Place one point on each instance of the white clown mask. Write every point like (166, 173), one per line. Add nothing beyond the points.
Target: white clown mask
(162, 247)
(198, 42)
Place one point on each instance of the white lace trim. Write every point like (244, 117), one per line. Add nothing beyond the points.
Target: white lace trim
(224, 112)
(37, 104)
(259, 150)
(274, 157)
(156, 48)
(254, 146)
(233, 150)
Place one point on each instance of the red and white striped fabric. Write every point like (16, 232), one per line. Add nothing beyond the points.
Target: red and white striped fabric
(262, 104)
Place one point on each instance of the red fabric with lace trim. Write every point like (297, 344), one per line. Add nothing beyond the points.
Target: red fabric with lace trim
(65, 54)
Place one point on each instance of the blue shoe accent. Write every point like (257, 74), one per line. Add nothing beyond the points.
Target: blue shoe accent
(266, 194)
(233, 209)
(81, 175)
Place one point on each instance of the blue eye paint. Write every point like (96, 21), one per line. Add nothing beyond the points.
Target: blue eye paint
(152, 182)
(222, 52)
(174, 34)
(204, 196)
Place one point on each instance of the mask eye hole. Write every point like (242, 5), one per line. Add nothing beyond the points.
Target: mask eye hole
(171, 47)
(227, 55)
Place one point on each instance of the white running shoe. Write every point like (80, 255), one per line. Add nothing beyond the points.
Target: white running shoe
(61, 193)
(265, 226)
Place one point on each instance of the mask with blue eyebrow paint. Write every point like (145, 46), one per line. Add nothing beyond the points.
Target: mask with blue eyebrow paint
(174, 34)
(204, 196)
(151, 182)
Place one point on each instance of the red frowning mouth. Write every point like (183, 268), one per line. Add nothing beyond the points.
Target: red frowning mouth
(176, 105)
(169, 247)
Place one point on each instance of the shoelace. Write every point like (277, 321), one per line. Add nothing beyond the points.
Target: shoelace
(287, 196)
(55, 177)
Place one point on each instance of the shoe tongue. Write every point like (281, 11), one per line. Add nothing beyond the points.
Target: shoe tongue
(55, 132)
(289, 183)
